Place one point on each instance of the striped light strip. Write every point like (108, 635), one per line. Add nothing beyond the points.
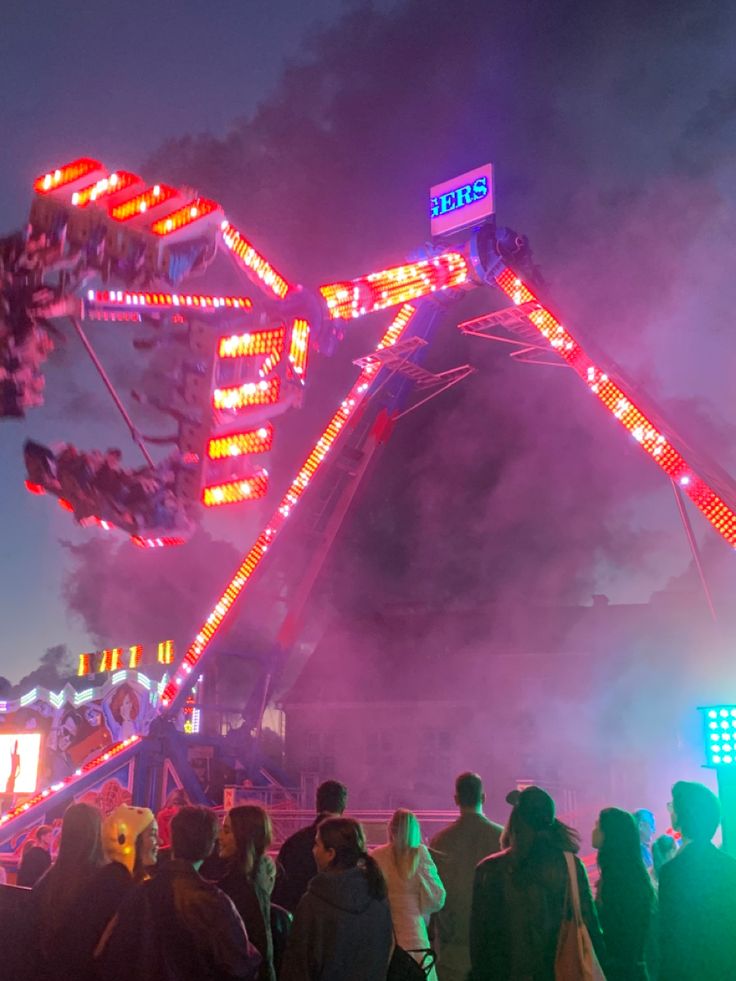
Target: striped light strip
(253, 261)
(645, 432)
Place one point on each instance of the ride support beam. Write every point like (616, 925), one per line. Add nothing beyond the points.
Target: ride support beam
(176, 691)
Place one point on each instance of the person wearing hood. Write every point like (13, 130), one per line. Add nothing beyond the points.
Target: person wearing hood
(296, 863)
(342, 925)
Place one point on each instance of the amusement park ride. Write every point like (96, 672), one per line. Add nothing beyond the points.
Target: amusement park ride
(108, 246)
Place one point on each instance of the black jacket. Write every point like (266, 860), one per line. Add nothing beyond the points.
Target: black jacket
(34, 863)
(517, 914)
(626, 914)
(340, 932)
(296, 866)
(65, 952)
(252, 899)
(697, 905)
(177, 927)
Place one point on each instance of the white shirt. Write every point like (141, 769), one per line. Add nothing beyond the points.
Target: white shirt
(411, 900)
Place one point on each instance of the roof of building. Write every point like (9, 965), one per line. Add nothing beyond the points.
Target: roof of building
(412, 653)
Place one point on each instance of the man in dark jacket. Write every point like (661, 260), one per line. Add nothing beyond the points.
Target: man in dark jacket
(296, 861)
(697, 894)
(457, 850)
(176, 925)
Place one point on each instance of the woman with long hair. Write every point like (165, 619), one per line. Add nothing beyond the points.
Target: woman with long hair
(521, 895)
(342, 925)
(57, 896)
(128, 850)
(130, 846)
(244, 838)
(625, 895)
(415, 890)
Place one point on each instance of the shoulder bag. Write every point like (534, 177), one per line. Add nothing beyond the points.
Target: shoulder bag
(575, 959)
(403, 967)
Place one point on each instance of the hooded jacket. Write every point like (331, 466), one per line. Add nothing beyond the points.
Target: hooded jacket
(340, 932)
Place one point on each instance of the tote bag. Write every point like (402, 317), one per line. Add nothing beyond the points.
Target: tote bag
(575, 959)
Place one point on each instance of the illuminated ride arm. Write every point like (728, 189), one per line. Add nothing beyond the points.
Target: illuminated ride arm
(687, 474)
(252, 263)
(399, 284)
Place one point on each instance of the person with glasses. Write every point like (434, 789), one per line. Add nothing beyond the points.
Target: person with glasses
(697, 893)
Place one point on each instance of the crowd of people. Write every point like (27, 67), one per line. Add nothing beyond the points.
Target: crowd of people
(96, 484)
(25, 331)
(481, 902)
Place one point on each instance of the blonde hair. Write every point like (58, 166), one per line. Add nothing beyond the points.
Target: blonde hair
(405, 836)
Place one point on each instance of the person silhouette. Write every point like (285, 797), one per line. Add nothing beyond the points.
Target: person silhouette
(14, 769)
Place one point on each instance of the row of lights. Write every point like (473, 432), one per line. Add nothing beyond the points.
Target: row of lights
(240, 444)
(152, 197)
(236, 491)
(258, 342)
(720, 728)
(105, 187)
(400, 284)
(186, 300)
(299, 349)
(111, 659)
(111, 186)
(253, 261)
(164, 541)
(293, 494)
(643, 430)
(186, 215)
(68, 174)
(250, 393)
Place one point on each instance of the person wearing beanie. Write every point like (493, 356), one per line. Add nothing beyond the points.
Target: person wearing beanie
(520, 895)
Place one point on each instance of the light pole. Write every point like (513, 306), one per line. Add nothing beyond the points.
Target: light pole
(719, 731)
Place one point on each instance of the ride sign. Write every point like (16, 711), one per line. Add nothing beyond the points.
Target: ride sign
(461, 201)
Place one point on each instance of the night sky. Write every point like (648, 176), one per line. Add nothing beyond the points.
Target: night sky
(613, 134)
(94, 78)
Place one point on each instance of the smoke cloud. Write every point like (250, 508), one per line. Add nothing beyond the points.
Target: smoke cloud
(611, 127)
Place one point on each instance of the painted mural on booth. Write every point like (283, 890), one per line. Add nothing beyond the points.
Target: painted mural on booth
(73, 728)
